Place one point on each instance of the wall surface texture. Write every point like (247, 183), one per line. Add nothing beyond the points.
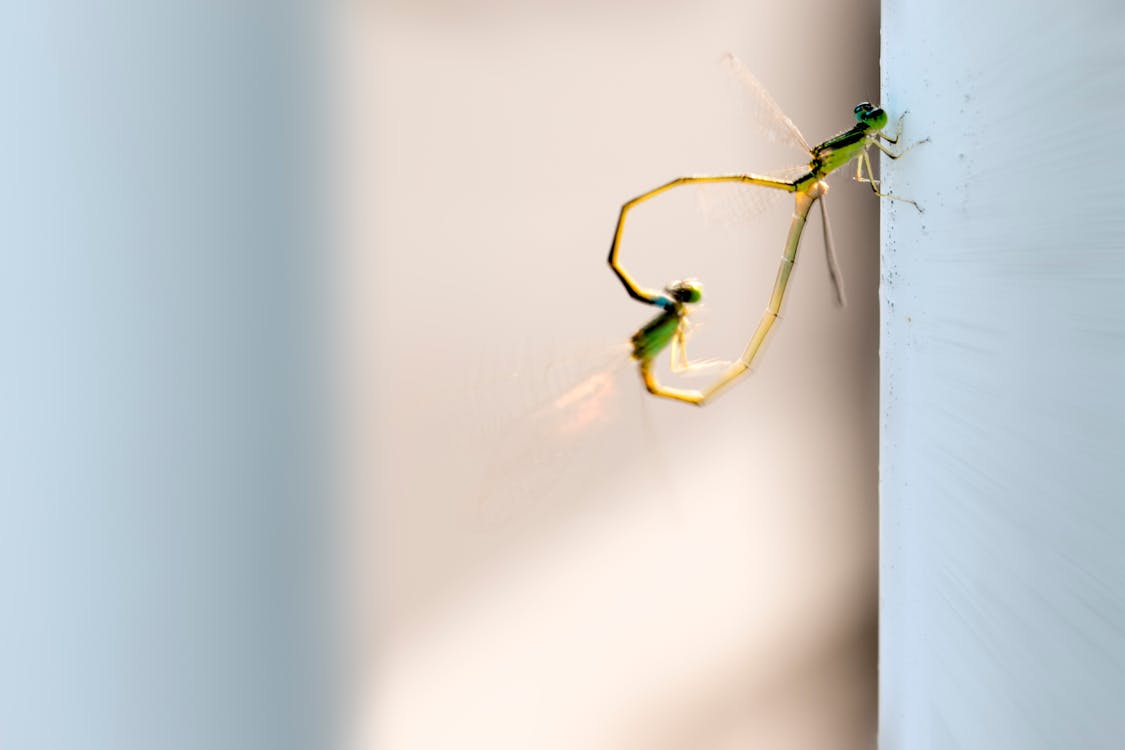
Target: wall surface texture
(1003, 355)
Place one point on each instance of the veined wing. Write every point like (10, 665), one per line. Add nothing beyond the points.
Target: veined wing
(765, 112)
(731, 204)
(546, 433)
(734, 203)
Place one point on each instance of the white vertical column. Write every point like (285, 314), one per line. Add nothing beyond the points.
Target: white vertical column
(1003, 378)
(161, 549)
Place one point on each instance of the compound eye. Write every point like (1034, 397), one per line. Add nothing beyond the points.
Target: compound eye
(875, 118)
(688, 291)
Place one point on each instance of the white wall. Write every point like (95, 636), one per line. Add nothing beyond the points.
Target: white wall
(162, 559)
(1003, 416)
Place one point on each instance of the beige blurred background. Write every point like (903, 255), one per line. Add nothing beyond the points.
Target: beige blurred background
(536, 566)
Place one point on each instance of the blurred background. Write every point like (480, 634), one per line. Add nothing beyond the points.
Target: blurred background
(165, 508)
(319, 429)
(543, 555)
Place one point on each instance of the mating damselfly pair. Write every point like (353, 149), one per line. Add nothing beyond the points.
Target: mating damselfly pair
(532, 447)
(668, 330)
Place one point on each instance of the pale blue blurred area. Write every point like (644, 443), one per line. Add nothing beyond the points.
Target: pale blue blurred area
(162, 515)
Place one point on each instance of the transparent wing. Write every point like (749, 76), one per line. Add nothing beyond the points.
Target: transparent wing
(731, 204)
(550, 432)
(834, 272)
(763, 110)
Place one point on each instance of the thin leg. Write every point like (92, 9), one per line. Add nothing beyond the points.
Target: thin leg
(649, 296)
(860, 164)
(865, 160)
(902, 153)
(859, 171)
(680, 363)
(656, 389)
(895, 140)
(898, 130)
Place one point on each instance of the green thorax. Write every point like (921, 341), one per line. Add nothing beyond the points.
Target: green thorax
(839, 150)
(657, 333)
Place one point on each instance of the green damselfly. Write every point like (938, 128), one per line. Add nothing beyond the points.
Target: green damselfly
(808, 187)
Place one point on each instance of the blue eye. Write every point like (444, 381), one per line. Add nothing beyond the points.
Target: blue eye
(688, 291)
(863, 110)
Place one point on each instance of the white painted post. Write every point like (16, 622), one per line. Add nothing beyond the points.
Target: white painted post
(1003, 378)
(163, 518)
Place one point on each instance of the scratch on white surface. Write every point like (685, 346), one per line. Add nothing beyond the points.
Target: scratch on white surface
(1003, 579)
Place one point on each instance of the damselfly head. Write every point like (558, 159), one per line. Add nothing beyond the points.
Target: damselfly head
(868, 114)
(687, 291)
